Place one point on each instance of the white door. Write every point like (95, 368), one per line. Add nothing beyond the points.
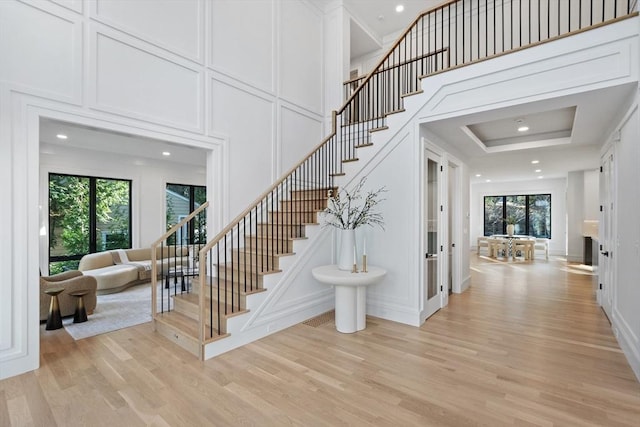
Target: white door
(452, 238)
(605, 270)
(432, 241)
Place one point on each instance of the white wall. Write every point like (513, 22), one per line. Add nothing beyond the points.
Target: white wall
(591, 207)
(242, 79)
(626, 256)
(575, 215)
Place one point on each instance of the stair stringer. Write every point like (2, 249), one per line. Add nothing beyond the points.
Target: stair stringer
(291, 296)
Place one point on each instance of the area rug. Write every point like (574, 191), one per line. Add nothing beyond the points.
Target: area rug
(114, 311)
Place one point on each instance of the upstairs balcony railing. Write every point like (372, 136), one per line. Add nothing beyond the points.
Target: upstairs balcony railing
(454, 34)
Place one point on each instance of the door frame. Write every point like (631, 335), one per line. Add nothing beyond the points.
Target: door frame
(606, 279)
(454, 212)
(429, 150)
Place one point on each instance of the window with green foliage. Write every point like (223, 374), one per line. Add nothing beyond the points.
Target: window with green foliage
(183, 199)
(531, 214)
(86, 215)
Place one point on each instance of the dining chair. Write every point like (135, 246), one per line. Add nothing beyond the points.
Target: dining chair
(483, 242)
(543, 245)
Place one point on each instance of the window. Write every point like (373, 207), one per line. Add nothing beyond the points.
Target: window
(86, 215)
(181, 201)
(531, 214)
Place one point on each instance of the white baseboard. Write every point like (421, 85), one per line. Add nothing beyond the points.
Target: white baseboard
(629, 345)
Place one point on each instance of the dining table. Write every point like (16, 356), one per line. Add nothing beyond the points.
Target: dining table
(511, 245)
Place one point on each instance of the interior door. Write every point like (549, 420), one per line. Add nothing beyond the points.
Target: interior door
(605, 278)
(432, 244)
(452, 183)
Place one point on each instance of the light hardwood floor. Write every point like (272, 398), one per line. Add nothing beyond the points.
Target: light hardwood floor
(526, 345)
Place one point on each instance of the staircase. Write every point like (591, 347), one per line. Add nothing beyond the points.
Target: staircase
(244, 263)
(237, 276)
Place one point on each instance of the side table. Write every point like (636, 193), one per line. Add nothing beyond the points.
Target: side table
(351, 294)
(81, 312)
(54, 320)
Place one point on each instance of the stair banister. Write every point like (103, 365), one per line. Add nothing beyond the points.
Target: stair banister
(154, 256)
(419, 51)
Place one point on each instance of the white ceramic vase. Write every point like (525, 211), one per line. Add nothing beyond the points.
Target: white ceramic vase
(347, 249)
(510, 229)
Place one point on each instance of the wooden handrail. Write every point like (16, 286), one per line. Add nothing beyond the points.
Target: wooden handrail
(392, 49)
(265, 194)
(154, 256)
(400, 64)
(185, 220)
(358, 116)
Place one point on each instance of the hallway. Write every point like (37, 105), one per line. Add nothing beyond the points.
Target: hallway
(526, 345)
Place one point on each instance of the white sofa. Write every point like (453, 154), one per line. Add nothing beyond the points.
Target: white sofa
(116, 270)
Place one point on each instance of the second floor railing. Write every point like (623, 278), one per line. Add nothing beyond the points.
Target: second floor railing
(462, 32)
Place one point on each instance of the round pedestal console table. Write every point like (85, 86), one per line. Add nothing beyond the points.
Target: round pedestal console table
(350, 294)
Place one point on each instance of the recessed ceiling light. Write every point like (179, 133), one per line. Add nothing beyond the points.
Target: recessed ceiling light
(61, 136)
(540, 177)
(535, 162)
(538, 170)
(399, 8)
(478, 175)
(488, 180)
(166, 153)
(523, 128)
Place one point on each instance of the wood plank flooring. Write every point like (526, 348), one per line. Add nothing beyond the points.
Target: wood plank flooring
(526, 345)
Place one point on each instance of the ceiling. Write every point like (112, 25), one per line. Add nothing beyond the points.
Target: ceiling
(378, 18)
(565, 135)
(135, 149)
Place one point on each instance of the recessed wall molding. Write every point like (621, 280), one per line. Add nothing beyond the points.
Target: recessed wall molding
(226, 39)
(249, 120)
(242, 85)
(169, 26)
(74, 5)
(300, 78)
(62, 46)
(152, 87)
(295, 121)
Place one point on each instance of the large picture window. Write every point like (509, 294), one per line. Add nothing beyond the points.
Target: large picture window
(181, 201)
(86, 215)
(530, 213)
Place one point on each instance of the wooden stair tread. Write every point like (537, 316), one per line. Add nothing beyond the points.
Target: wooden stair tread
(257, 254)
(368, 144)
(193, 296)
(195, 300)
(259, 273)
(276, 237)
(179, 321)
(378, 129)
(417, 92)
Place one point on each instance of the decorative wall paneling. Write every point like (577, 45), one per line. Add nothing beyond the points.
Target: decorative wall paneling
(248, 118)
(293, 123)
(152, 86)
(626, 253)
(300, 75)
(74, 5)
(53, 67)
(7, 324)
(175, 26)
(243, 41)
